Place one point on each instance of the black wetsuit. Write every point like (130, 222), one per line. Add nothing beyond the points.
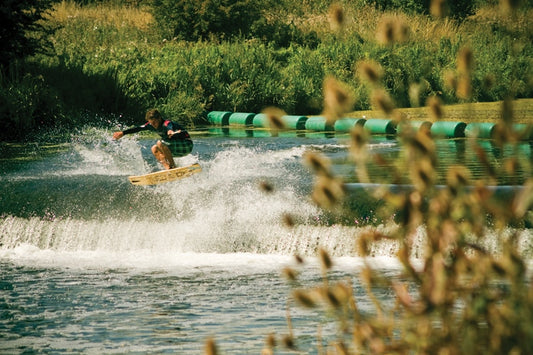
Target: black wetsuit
(180, 144)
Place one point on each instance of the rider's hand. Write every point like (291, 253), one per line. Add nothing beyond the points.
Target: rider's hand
(170, 133)
(118, 135)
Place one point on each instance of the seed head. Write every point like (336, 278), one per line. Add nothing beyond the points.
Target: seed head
(274, 116)
(382, 101)
(336, 17)
(358, 141)
(304, 298)
(327, 192)
(266, 187)
(290, 274)
(288, 220)
(325, 259)
(465, 61)
(450, 80)
(458, 176)
(370, 71)
(434, 105)
(509, 6)
(271, 341)
(423, 174)
(507, 111)
(464, 87)
(210, 347)
(438, 8)
(318, 163)
(337, 99)
(392, 29)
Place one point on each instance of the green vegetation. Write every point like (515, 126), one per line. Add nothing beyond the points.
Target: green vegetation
(119, 58)
(464, 293)
(465, 287)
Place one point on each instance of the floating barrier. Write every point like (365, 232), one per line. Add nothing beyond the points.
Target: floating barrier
(261, 120)
(417, 126)
(219, 117)
(318, 123)
(525, 131)
(241, 118)
(346, 124)
(448, 129)
(380, 126)
(479, 130)
(295, 122)
(291, 122)
(377, 126)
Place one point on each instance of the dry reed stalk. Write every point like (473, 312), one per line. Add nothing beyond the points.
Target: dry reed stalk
(381, 100)
(327, 192)
(437, 8)
(336, 17)
(435, 108)
(392, 29)
(338, 100)
(274, 116)
(210, 347)
(370, 71)
(320, 164)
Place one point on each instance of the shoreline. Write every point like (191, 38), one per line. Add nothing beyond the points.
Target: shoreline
(467, 113)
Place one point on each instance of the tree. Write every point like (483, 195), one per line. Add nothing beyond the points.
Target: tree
(21, 32)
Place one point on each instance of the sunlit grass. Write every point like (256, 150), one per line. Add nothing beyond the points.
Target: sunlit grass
(104, 14)
(471, 112)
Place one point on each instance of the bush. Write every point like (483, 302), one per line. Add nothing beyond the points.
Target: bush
(20, 30)
(458, 9)
(27, 105)
(194, 20)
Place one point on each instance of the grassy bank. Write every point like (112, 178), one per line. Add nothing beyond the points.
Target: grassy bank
(472, 112)
(110, 60)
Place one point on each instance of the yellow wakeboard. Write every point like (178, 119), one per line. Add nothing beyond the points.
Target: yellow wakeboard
(160, 177)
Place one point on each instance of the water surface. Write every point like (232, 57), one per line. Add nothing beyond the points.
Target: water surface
(93, 264)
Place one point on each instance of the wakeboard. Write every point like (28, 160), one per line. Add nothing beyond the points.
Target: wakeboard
(163, 176)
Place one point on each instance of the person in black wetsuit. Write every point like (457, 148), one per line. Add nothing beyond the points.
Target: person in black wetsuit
(175, 141)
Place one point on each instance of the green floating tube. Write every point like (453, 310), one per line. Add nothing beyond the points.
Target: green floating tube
(479, 130)
(260, 120)
(290, 122)
(380, 126)
(346, 124)
(294, 122)
(241, 118)
(448, 129)
(219, 117)
(416, 126)
(318, 123)
(525, 131)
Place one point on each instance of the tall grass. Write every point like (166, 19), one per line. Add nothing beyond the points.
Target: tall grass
(120, 65)
(465, 287)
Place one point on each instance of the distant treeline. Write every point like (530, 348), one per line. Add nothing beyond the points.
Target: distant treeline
(84, 62)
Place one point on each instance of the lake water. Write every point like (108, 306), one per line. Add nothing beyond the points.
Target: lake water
(92, 264)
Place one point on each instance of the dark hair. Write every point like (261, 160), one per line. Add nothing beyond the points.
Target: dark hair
(153, 115)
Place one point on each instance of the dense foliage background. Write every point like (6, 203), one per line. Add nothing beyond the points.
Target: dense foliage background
(121, 57)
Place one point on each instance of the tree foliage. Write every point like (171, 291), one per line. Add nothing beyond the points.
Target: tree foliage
(458, 9)
(201, 19)
(21, 32)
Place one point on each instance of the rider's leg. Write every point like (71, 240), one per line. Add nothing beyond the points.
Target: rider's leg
(164, 155)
